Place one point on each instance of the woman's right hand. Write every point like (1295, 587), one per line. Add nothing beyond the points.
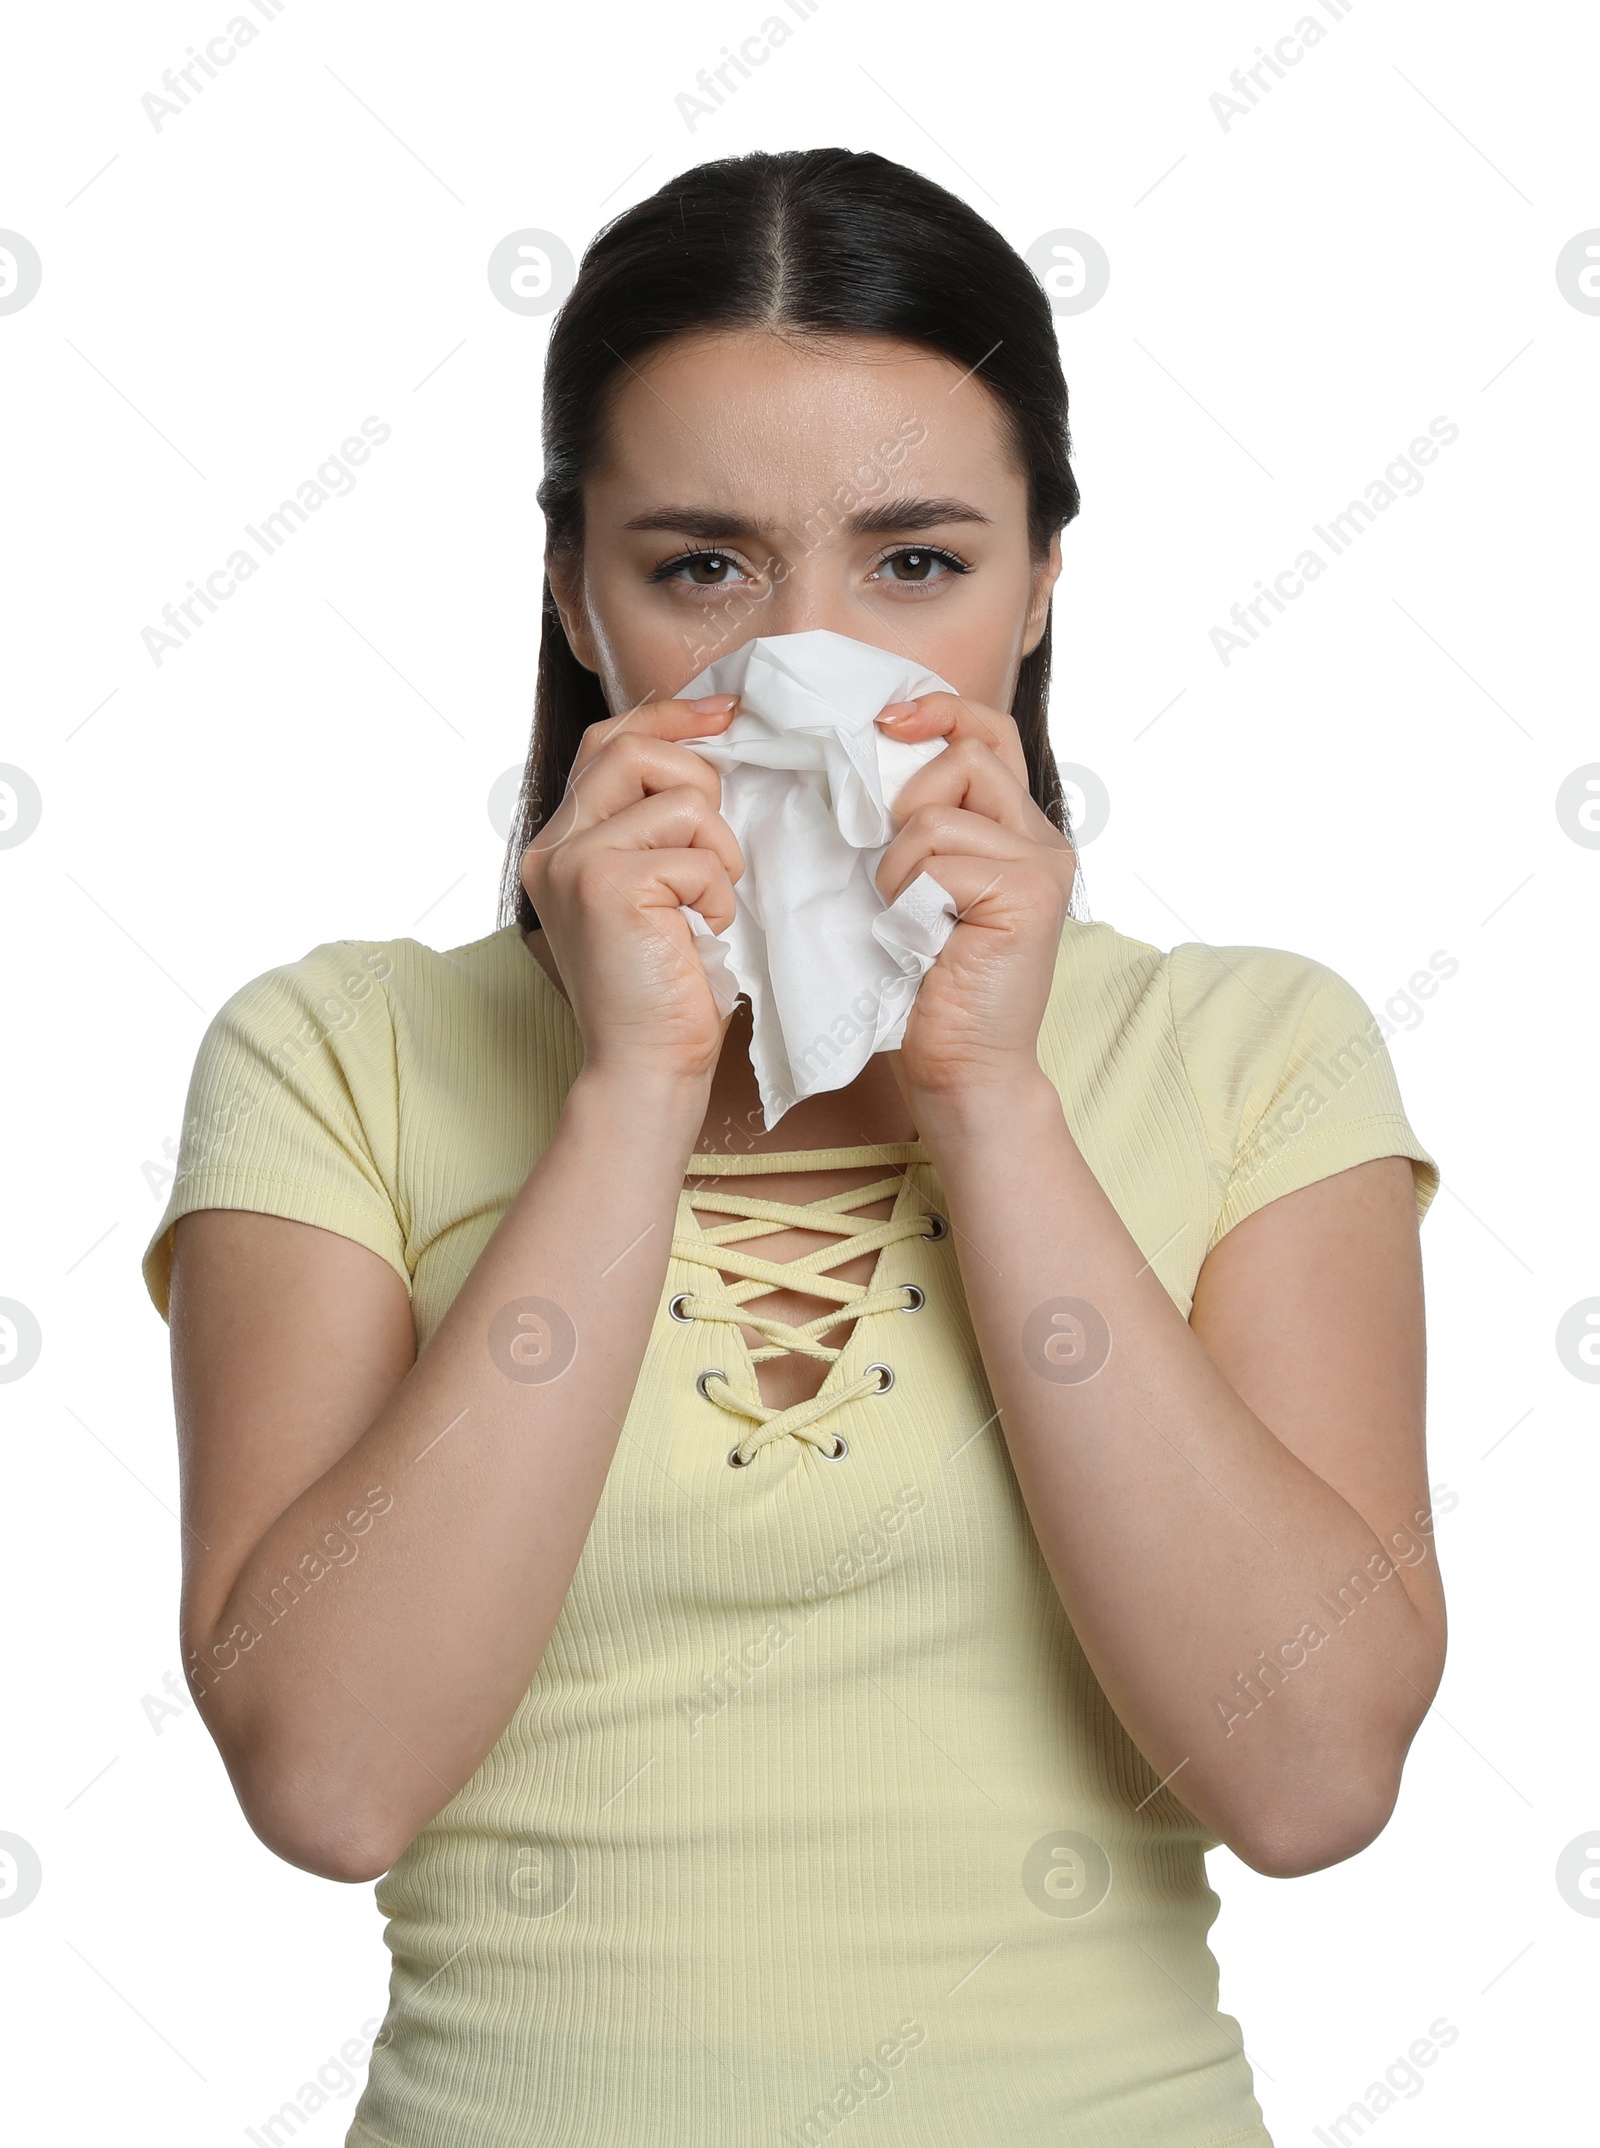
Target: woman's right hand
(637, 836)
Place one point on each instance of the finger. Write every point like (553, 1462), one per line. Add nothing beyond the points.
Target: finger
(677, 819)
(624, 772)
(970, 776)
(995, 892)
(945, 832)
(704, 718)
(656, 905)
(953, 717)
(668, 881)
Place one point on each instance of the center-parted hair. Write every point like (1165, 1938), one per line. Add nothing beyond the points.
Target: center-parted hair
(822, 241)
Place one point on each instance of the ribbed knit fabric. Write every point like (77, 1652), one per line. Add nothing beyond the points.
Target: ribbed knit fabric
(814, 1824)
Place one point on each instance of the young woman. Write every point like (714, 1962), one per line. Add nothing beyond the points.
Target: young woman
(786, 1614)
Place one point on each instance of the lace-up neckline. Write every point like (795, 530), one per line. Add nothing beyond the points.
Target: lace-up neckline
(719, 1249)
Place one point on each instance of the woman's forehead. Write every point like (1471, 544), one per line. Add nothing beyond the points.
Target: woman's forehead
(766, 422)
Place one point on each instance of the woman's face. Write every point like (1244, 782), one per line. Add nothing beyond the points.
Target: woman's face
(755, 485)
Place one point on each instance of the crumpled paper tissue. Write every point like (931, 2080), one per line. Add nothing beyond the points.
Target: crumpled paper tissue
(808, 778)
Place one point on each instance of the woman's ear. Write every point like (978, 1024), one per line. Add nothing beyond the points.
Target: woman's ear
(564, 571)
(1045, 576)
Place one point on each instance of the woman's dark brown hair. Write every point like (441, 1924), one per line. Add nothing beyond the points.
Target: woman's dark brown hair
(822, 241)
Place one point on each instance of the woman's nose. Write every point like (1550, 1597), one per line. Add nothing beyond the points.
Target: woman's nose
(811, 592)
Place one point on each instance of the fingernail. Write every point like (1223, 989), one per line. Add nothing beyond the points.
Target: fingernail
(714, 704)
(896, 710)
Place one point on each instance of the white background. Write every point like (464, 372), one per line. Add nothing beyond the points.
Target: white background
(1292, 300)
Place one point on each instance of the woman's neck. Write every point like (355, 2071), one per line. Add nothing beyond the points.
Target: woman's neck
(869, 1112)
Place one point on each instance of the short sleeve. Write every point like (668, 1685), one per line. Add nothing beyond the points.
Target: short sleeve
(292, 1108)
(1291, 1074)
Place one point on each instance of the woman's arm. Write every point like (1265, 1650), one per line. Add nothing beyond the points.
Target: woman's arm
(1235, 1511)
(377, 1550)
(399, 1541)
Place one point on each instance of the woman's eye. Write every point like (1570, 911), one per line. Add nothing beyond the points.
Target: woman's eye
(707, 570)
(921, 563)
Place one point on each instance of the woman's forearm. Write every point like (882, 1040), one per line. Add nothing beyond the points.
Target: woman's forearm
(1185, 1540)
(370, 1695)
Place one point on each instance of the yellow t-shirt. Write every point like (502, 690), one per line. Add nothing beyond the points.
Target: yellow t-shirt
(814, 1802)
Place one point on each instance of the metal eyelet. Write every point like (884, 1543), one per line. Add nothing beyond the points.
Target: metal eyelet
(887, 1381)
(734, 1461)
(673, 1313)
(840, 1449)
(941, 1228)
(712, 1372)
(919, 1297)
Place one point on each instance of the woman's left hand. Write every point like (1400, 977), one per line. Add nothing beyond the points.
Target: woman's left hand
(968, 820)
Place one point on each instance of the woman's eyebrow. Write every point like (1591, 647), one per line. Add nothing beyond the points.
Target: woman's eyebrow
(709, 523)
(911, 515)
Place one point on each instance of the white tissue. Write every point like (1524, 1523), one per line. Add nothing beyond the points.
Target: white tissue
(829, 968)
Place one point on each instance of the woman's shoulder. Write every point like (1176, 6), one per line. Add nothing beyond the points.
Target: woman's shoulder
(1236, 997)
(336, 979)
(1278, 1054)
(317, 1077)
(1252, 1021)
(407, 960)
(325, 1048)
